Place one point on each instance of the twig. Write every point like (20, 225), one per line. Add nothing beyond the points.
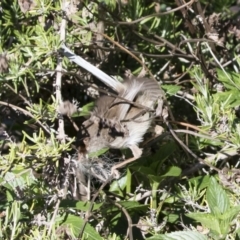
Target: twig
(19, 94)
(164, 41)
(196, 134)
(188, 150)
(185, 95)
(53, 217)
(26, 113)
(129, 233)
(130, 53)
(156, 14)
(220, 65)
(231, 61)
(59, 75)
(221, 155)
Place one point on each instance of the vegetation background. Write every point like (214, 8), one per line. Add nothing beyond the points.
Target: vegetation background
(186, 185)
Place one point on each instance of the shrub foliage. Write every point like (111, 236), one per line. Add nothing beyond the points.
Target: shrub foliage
(185, 185)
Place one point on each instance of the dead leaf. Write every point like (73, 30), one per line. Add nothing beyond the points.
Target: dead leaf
(26, 5)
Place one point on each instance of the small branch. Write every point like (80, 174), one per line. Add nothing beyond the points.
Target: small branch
(53, 217)
(156, 14)
(59, 75)
(130, 53)
(188, 150)
(231, 61)
(26, 113)
(197, 134)
(129, 233)
(19, 94)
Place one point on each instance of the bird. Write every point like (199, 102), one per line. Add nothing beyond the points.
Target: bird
(120, 120)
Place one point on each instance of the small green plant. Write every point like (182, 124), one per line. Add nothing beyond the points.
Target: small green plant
(221, 213)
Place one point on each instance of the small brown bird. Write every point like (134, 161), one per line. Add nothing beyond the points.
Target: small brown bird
(118, 121)
(121, 122)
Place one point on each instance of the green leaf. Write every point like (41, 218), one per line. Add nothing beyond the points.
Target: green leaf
(128, 181)
(171, 172)
(155, 161)
(76, 223)
(119, 185)
(155, 180)
(83, 206)
(144, 170)
(230, 84)
(217, 198)
(10, 195)
(14, 180)
(231, 97)
(208, 220)
(231, 214)
(146, 20)
(171, 89)
(200, 182)
(237, 233)
(181, 235)
(98, 153)
(86, 109)
(128, 205)
(172, 218)
(162, 155)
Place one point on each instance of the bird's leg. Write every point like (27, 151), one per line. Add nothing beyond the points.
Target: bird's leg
(137, 152)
